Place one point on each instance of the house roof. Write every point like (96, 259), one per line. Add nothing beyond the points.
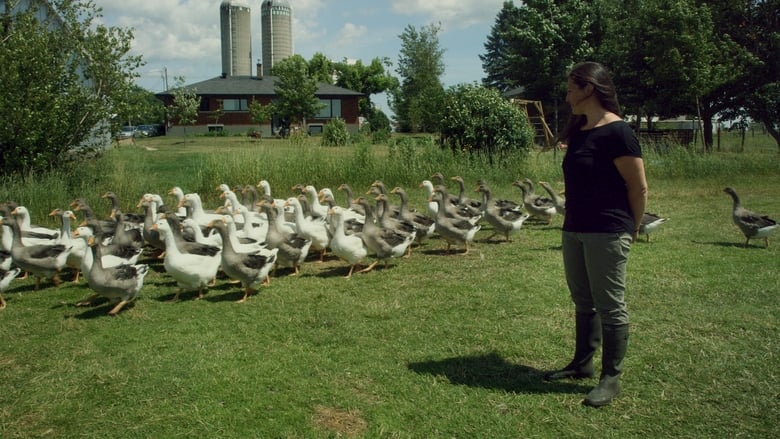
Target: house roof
(251, 85)
(514, 92)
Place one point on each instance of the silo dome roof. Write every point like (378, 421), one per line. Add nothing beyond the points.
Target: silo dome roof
(278, 3)
(240, 3)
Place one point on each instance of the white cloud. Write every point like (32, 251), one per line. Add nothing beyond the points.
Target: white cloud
(452, 14)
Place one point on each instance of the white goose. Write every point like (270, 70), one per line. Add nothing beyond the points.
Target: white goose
(350, 248)
(78, 246)
(192, 271)
(6, 276)
(314, 229)
(194, 203)
(29, 230)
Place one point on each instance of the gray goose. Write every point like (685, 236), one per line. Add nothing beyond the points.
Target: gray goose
(44, 261)
(558, 201)
(6, 276)
(540, 207)
(293, 248)
(426, 226)
(504, 220)
(250, 268)
(120, 284)
(396, 223)
(384, 243)
(116, 208)
(453, 230)
(752, 225)
(475, 206)
(650, 223)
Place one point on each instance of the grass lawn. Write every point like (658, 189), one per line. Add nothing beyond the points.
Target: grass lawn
(434, 345)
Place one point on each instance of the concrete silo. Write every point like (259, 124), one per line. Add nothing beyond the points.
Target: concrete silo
(276, 22)
(235, 25)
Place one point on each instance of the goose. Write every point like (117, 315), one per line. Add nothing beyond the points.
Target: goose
(250, 197)
(453, 230)
(6, 276)
(120, 283)
(127, 234)
(501, 203)
(194, 203)
(540, 207)
(349, 247)
(111, 254)
(314, 229)
(44, 261)
(438, 181)
(191, 228)
(78, 246)
(378, 188)
(384, 243)
(255, 224)
(650, 223)
(178, 193)
(151, 236)
(558, 201)
(753, 225)
(191, 271)
(398, 225)
(453, 210)
(503, 219)
(293, 248)
(241, 244)
(251, 268)
(475, 206)
(116, 207)
(317, 210)
(433, 207)
(353, 220)
(81, 205)
(425, 225)
(351, 205)
(22, 216)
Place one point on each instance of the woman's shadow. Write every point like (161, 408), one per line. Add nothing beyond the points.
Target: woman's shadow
(491, 371)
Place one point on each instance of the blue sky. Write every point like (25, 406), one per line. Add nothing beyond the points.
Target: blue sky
(182, 36)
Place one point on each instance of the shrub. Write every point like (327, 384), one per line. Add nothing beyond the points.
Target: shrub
(335, 133)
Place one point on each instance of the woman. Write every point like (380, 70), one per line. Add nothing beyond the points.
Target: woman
(606, 193)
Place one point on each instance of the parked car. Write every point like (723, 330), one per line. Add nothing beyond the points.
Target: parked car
(149, 130)
(127, 132)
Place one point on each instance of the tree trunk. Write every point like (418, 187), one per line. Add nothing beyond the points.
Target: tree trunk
(774, 132)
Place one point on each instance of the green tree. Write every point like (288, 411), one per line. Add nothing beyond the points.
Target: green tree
(534, 45)
(260, 113)
(321, 68)
(367, 79)
(748, 37)
(184, 109)
(662, 55)
(141, 106)
(417, 101)
(479, 119)
(82, 74)
(295, 89)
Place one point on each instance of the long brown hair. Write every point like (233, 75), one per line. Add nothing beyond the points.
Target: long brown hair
(599, 77)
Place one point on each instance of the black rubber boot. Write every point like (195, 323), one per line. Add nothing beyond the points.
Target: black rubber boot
(613, 352)
(587, 341)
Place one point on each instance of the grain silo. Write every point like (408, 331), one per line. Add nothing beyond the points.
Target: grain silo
(276, 21)
(236, 29)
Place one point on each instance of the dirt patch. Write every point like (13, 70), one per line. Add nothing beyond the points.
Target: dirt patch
(343, 423)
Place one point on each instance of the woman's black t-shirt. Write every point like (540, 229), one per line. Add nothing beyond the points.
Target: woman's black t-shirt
(596, 194)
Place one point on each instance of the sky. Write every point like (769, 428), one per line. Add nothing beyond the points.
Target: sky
(182, 37)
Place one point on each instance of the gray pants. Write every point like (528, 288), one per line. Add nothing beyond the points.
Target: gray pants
(595, 266)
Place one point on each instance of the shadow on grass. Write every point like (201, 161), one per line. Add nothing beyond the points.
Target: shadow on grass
(732, 244)
(490, 371)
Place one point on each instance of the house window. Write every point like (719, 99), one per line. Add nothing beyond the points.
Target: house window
(235, 105)
(331, 109)
(204, 104)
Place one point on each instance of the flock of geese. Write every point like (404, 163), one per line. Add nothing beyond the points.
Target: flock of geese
(252, 234)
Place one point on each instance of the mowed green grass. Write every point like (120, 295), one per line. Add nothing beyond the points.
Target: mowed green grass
(434, 345)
